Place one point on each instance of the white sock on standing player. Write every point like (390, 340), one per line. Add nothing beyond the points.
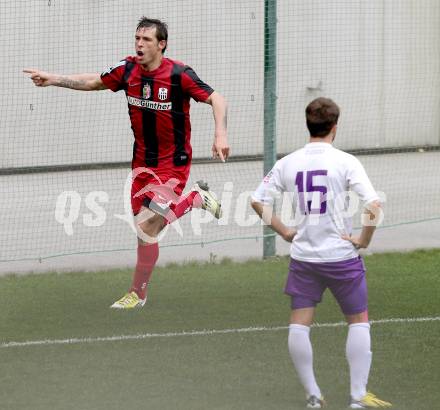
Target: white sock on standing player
(359, 358)
(300, 349)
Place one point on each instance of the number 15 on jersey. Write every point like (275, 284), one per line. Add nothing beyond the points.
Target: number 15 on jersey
(308, 192)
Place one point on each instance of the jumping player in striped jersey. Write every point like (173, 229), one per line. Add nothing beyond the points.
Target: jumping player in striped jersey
(324, 254)
(158, 91)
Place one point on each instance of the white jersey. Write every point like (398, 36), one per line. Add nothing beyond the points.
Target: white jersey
(322, 180)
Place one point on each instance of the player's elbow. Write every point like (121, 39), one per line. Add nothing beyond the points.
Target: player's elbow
(373, 207)
(95, 83)
(257, 206)
(373, 214)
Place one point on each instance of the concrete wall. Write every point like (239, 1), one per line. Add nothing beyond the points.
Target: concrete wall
(379, 60)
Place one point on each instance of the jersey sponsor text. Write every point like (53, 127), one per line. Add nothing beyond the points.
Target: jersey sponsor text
(153, 105)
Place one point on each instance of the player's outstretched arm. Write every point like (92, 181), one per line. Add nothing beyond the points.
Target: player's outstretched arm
(371, 217)
(220, 147)
(83, 82)
(266, 214)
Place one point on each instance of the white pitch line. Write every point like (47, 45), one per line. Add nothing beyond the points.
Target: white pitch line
(206, 332)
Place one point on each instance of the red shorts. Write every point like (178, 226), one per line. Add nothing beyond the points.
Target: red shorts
(157, 189)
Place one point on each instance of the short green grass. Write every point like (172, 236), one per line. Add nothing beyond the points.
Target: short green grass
(219, 371)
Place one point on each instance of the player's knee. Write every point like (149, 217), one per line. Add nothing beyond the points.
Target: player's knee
(152, 226)
(361, 317)
(302, 316)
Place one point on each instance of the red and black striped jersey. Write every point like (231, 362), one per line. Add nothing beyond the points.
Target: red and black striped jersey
(158, 105)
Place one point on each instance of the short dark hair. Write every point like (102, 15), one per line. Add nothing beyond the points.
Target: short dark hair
(161, 28)
(321, 115)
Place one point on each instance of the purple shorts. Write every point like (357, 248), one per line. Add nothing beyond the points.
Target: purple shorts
(307, 282)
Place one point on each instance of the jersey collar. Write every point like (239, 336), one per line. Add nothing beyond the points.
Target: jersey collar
(318, 144)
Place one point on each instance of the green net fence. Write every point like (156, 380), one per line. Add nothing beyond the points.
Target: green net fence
(65, 155)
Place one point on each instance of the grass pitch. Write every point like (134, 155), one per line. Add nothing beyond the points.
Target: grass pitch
(236, 370)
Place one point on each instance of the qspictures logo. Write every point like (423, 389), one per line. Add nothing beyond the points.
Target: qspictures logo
(294, 209)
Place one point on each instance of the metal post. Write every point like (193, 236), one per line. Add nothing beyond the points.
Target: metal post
(270, 96)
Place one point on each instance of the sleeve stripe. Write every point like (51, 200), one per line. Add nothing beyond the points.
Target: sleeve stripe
(128, 69)
(191, 74)
(109, 70)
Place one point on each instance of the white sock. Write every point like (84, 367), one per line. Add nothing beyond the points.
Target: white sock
(359, 358)
(300, 350)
